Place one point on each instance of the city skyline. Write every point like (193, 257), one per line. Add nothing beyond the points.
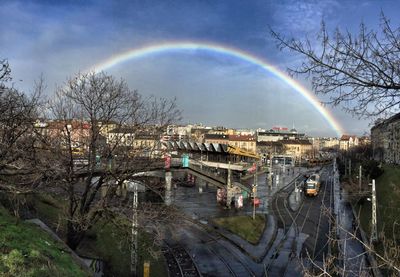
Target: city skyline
(62, 39)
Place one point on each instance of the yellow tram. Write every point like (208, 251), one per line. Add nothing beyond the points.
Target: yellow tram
(312, 185)
(319, 162)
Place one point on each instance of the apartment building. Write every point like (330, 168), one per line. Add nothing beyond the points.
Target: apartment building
(347, 142)
(385, 140)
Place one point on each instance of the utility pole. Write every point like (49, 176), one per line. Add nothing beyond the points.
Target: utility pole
(255, 193)
(350, 169)
(229, 187)
(334, 164)
(168, 187)
(134, 243)
(270, 171)
(374, 231)
(360, 176)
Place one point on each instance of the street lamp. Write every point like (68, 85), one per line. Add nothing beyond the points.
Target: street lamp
(255, 192)
(374, 231)
(254, 200)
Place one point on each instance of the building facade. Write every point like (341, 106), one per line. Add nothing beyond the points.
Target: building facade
(347, 142)
(328, 143)
(246, 142)
(277, 134)
(385, 140)
(298, 149)
(216, 138)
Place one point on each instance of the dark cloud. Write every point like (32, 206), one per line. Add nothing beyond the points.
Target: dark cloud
(60, 38)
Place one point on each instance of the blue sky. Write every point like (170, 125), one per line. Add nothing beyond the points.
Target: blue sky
(60, 38)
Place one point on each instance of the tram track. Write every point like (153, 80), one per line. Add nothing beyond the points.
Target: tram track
(292, 221)
(287, 222)
(221, 251)
(311, 248)
(319, 221)
(209, 240)
(179, 261)
(327, 203)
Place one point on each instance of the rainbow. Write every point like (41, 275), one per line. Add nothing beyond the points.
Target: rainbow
(224, 50)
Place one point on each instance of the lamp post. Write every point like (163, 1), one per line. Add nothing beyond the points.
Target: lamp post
(374, 231)
(134, 242)
(255, 193)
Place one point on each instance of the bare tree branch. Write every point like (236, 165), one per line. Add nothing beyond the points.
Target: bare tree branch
(360, 71)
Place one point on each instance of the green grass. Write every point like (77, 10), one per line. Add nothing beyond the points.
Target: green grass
(27, 250)
(244, 226)
(388, 204)
(388, 207)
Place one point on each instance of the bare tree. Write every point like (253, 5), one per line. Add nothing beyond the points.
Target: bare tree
(18, 161)
(4, 72)
(84, 111)
(360, 71)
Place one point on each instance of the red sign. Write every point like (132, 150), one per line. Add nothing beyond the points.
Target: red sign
(252, 169)
(256, 201)
(167, 160)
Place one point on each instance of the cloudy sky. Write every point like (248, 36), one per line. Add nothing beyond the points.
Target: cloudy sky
(60, 38)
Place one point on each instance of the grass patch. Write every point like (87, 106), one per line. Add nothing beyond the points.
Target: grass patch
(26, 250)
(243, 226)
(388, 207)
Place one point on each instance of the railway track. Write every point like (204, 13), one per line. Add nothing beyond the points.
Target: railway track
(226, 261)
(288, 224)
(295, 222)
(223, 253)
(327, 202)
(179, 262)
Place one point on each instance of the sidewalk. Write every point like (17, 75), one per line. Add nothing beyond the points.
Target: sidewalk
(355, 260)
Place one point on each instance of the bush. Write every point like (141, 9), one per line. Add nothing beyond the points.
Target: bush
(13, 263)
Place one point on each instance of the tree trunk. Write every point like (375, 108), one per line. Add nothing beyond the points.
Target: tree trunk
(74, 236)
